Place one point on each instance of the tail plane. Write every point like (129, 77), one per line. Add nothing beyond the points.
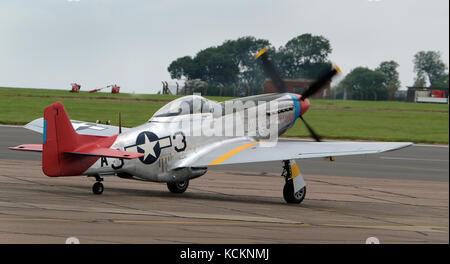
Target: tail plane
(67, 153)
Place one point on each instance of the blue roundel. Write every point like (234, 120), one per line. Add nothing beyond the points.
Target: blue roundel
(148, 143)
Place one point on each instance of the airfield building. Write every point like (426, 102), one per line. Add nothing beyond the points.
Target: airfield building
(427, 95)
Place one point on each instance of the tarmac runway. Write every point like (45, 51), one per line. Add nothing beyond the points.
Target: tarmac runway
(397, 197)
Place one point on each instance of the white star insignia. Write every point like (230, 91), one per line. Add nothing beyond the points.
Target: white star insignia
(148, 147)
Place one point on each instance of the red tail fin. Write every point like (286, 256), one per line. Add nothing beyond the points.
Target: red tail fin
(59, 138)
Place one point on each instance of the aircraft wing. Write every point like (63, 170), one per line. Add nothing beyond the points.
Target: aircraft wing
(248, 151)
(83, 128)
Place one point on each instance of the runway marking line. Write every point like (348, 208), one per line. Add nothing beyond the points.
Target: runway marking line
(205, 222)
(393, 227)
(415, 159)
(34, 219)
(385, 227)
(281, 224)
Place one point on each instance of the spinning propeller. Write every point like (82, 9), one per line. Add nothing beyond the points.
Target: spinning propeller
(270, 70)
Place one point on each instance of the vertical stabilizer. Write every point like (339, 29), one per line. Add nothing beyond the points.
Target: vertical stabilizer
(60, 137)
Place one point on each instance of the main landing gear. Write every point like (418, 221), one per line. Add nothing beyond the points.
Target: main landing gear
(98, 188)
(289, 195)
(178, 187)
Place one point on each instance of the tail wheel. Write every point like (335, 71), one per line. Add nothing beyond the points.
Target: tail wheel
(290, 196)
(178, 187)
(97, 188)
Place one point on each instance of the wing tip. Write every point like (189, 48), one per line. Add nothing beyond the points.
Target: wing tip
(29, 147)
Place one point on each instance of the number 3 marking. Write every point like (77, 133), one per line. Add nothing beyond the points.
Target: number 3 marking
(183, 140)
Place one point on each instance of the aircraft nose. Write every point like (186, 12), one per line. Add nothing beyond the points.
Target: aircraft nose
(304, 106)
(300, 105)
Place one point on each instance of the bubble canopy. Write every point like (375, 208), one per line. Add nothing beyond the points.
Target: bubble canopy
(186, 105)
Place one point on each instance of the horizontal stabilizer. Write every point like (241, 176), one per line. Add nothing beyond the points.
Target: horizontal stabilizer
(28, 147)
(97, 152)
(81, 127)
(108, 153)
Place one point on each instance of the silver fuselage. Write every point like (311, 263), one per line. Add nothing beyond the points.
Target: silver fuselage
(171, 141)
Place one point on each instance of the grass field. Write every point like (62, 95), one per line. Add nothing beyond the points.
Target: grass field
(362, 120)
(47, 93)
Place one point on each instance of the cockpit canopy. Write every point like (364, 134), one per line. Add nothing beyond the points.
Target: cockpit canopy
(191, 104)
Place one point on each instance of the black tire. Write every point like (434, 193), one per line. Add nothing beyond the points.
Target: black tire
(97, 188)
(178, 187)
(290, 196)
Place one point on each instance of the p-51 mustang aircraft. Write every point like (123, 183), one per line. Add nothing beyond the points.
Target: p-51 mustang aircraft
(170, 147)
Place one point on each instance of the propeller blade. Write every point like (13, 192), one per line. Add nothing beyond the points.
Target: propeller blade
(317, 85)
(270, 70)
(311, 131)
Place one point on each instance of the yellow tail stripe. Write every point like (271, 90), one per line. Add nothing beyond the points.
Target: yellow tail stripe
(231, 153)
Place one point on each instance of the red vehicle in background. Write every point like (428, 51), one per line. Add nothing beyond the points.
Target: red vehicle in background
(75, 87)
(114, 89)
(438, 94)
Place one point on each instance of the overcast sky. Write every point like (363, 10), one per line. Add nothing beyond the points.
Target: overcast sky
(51, 43)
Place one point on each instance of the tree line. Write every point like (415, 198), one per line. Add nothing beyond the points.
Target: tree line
(382, 83)
(230, 68)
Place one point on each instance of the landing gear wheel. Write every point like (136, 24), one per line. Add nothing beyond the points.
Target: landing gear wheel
(290, 196)
(178, 187)
(97, 188)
